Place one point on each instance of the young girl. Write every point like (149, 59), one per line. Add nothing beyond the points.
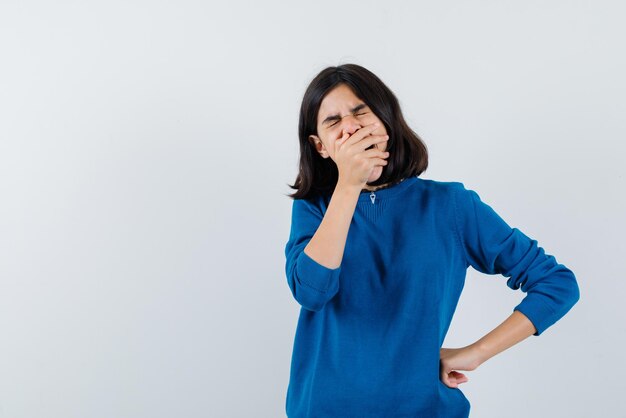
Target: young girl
(377, 259)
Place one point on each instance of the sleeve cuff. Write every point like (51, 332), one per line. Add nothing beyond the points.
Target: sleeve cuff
(537, 312)
(314, 275)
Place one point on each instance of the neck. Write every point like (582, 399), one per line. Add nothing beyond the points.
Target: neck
(374, 188)
(382, 186)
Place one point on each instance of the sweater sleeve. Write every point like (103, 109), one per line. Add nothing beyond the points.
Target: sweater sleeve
(491, 246)
(311, 283)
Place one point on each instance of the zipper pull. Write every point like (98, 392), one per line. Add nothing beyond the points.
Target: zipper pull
(373, 196)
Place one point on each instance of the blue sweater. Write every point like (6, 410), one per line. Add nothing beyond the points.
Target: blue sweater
(369, 332)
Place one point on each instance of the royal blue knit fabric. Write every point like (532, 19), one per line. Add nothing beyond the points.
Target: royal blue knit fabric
(369, 332)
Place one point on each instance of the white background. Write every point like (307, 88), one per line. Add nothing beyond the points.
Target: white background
(145, 151)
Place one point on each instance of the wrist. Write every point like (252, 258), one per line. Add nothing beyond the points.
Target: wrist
(480, 352)
(342, 186)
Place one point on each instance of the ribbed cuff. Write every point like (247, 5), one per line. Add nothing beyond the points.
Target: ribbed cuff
(314, 275)
(540, 314)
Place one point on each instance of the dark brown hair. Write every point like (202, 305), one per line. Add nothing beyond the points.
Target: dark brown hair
(408, 154)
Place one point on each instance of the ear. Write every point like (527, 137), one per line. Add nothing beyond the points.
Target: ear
(319, 146)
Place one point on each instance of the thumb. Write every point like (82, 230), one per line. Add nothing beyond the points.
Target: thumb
(341, 140)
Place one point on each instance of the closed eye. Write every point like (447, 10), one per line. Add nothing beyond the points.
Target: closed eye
(356, 114)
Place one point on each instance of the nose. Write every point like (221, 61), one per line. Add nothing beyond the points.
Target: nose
(350, 124)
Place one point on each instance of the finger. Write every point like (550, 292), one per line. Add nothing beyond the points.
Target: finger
(460, 377)
(456, 378)
(371, 141)
(344, 137)
(380, 161)
(452, 379)
(375, 152)
(444, 378)
(363, 132)
(341, 140)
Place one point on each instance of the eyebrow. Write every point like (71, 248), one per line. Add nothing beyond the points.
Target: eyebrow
(337, 117)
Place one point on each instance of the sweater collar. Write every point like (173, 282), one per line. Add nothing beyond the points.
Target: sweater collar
(388, 191)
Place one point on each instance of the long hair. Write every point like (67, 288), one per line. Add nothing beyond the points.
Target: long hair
(408, 154)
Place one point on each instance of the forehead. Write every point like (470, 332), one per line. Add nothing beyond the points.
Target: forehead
(337, 100)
